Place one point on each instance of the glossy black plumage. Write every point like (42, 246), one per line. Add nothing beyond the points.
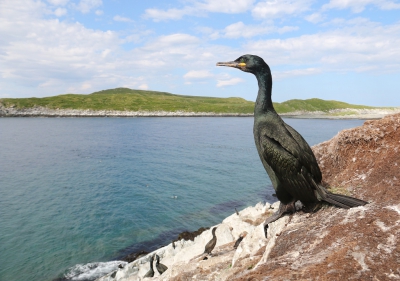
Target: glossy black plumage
(211, 244)
(285, 155)
(239, 240)
(150, 273)
(161, 268)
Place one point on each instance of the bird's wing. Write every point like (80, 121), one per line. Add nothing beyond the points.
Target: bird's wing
(287, 167)
(307, 156)
(280, 152)
(277, 130)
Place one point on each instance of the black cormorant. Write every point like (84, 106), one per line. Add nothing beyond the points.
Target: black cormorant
(211, 244)
(241, 236)
(150, 273)
(161, 268)
(286, 156)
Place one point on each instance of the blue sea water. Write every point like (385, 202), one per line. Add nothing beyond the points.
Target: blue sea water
(77, 193)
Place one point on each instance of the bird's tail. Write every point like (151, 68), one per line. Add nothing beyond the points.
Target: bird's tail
(338, 200)
(343, 201)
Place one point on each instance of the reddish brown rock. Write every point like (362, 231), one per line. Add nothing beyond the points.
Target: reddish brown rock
(356, 244)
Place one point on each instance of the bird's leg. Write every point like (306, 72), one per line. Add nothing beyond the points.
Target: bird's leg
(283, 209)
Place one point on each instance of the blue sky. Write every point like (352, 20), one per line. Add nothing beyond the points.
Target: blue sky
(346, 50)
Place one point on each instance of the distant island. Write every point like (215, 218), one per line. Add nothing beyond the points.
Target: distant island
(124, 102)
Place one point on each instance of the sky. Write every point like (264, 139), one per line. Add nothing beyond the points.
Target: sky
(347, 50)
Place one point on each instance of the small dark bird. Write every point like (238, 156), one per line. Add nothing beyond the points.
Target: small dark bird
(211, 244)
(285, 155)
(173, 244)
(150, 273)
(237, 213)
(161, 268)
(241, 236)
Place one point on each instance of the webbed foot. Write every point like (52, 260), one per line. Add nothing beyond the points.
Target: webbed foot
(283, 209)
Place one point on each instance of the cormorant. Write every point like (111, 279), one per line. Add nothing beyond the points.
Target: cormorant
(161, 268)
(241, 236)
(150, 273)
(237, 213)
(286, 156)
(211, 244)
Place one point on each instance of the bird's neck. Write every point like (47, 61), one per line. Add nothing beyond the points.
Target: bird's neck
(264, 101)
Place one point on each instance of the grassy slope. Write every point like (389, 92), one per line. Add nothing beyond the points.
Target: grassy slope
(138, 100)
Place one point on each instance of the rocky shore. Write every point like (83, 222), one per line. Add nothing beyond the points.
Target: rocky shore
(46, 112)
(331, 244)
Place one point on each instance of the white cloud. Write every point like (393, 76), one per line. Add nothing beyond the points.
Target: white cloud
(121, 19)
(200, 8)
(278, 8)
(49, 54)
(58, 2)
(296, 72)
(143, 87)
(46, 57)
(229, 82)
(239, 29)
(170, 14)
(99, 12)
(315, 17)
(227, 6)
(198, 75)
(358, 45)
(176, 40)
(357, 6)
(85, 6)
(60, 12)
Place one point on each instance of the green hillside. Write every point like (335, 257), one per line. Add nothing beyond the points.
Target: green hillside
(314, 105)
(138, 100)
(135, 100)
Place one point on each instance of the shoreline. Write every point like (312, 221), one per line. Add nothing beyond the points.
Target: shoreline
(74, 113)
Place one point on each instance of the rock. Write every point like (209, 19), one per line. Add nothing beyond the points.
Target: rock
(332, 244)
(187, 235)
(39, 111)
(134, 256)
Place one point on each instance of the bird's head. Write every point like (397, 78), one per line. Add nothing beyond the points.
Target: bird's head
(247, 63)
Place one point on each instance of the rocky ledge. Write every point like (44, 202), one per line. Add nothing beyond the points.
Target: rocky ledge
(331, 244)
(47, 112)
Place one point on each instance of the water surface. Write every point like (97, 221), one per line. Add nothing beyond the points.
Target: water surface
(81, 190)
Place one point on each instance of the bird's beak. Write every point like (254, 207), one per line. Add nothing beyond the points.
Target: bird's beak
(232, 64)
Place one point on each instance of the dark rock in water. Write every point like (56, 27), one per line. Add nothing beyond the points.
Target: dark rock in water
(187, 235)
(134, 256)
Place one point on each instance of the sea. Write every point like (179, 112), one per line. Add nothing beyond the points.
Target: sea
(79, 194)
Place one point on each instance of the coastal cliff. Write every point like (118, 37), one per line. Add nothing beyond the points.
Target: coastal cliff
(331, 244)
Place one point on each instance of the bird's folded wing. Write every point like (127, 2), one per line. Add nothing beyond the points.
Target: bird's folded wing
(288, 169)
(307, 156)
